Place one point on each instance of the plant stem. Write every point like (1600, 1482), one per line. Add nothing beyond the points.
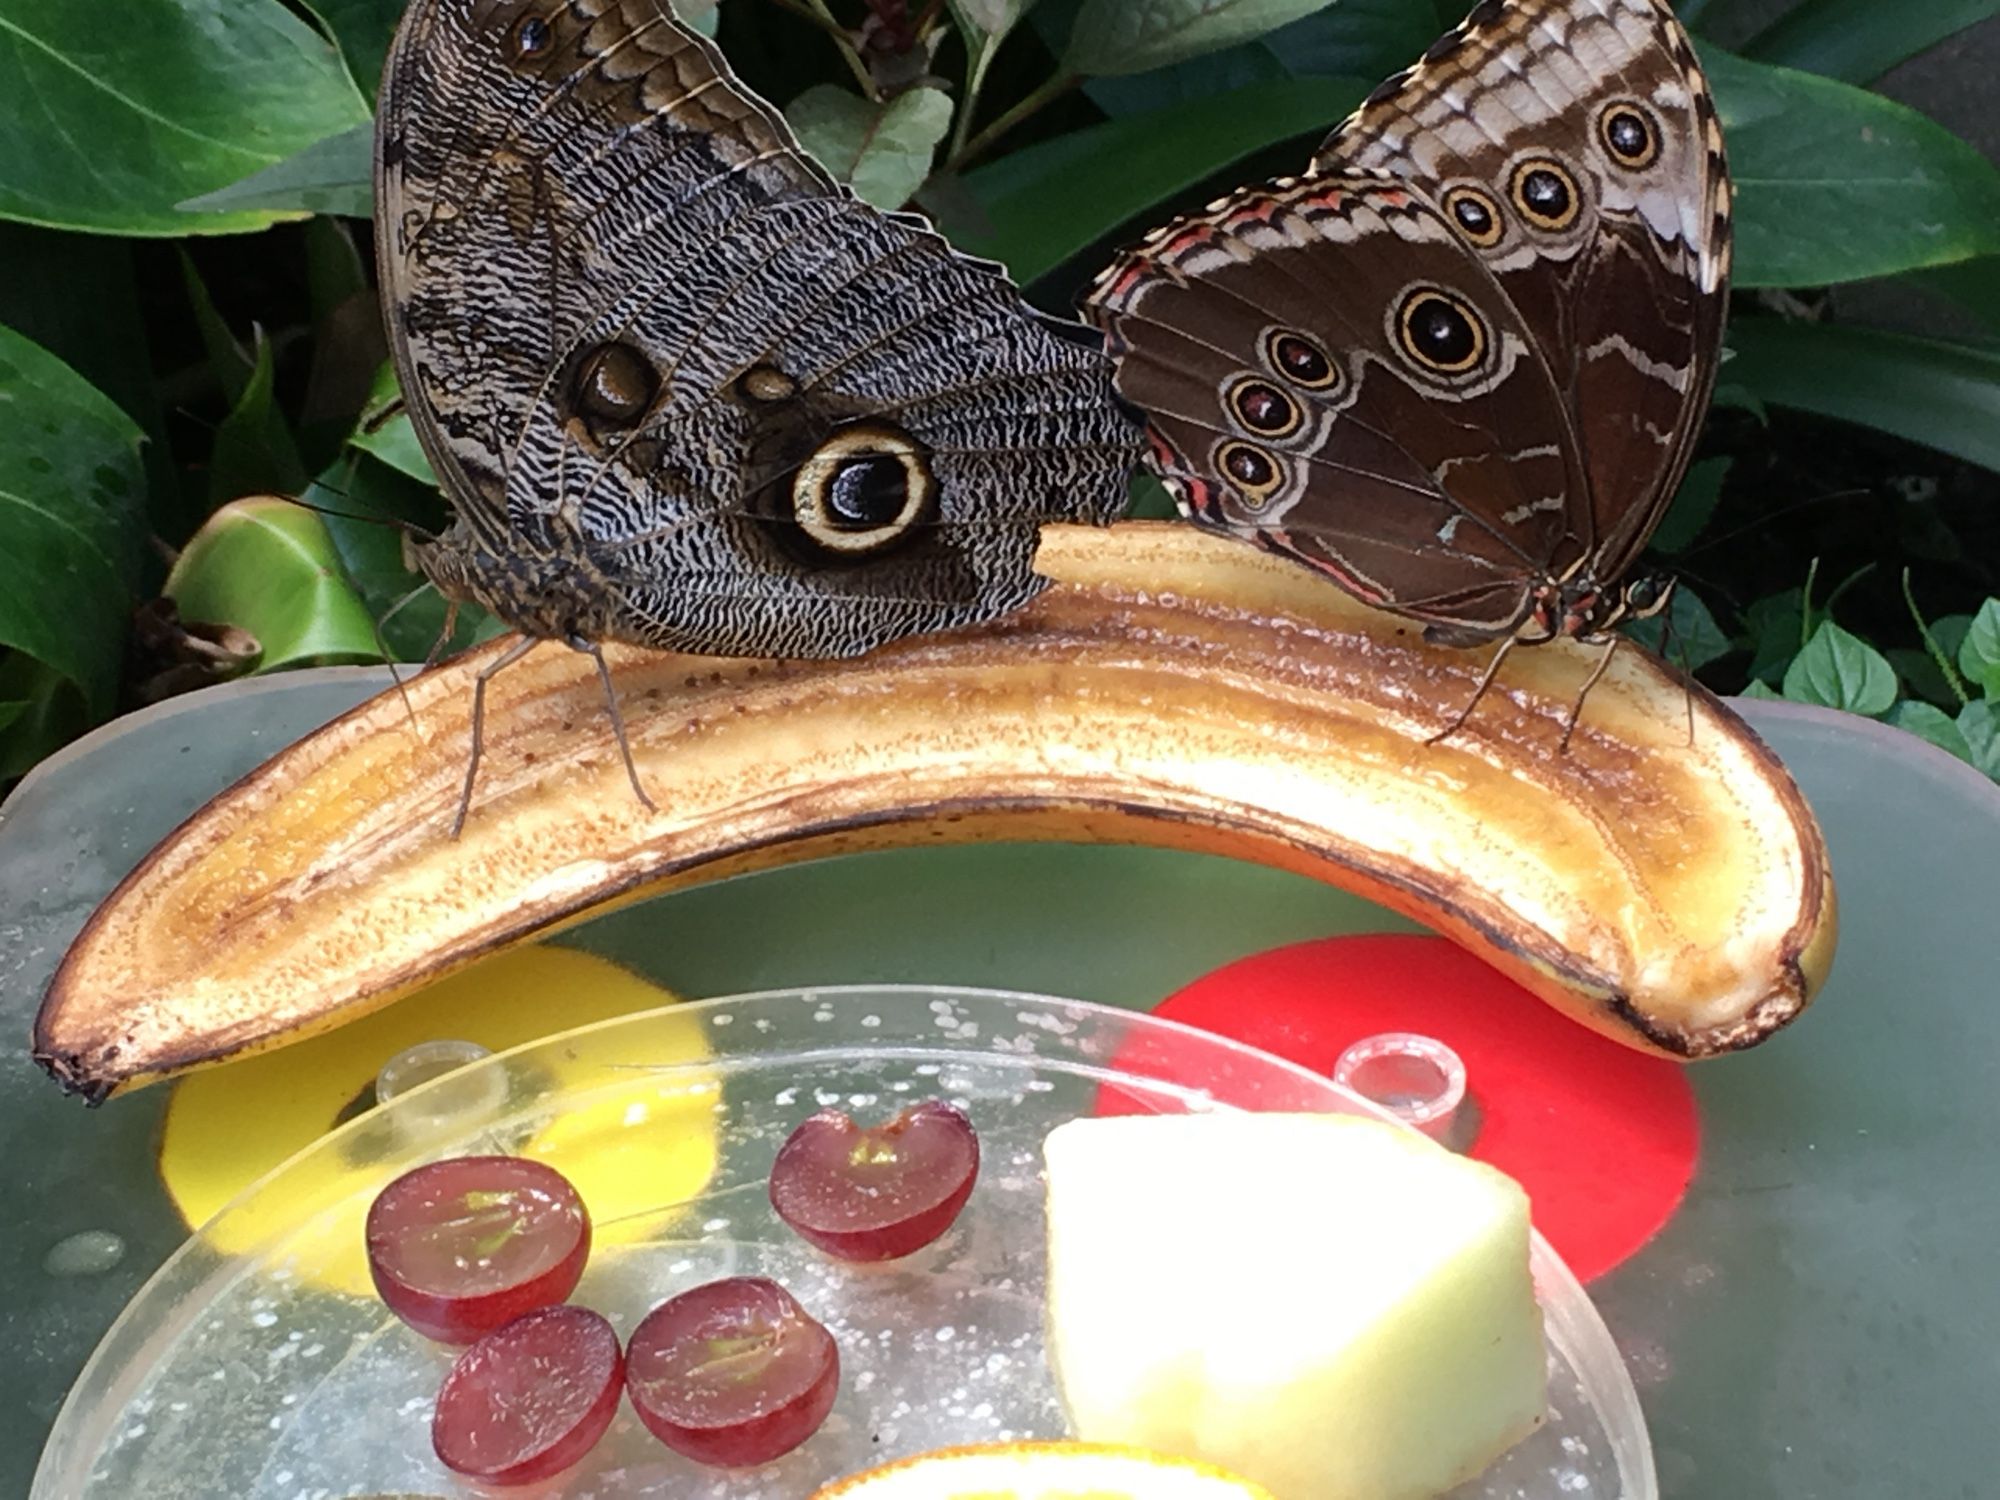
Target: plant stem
(980, 144)
(816, 12)
(1944, 663)
(975, 80)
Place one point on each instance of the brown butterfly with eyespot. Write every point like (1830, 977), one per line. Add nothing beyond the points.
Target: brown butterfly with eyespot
(1460, 366)
(680, 387)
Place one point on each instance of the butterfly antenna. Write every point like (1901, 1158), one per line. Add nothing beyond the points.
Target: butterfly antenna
(596, 653)
(1760, 522)
(408, 528)
(1485, 682)
(487, 673)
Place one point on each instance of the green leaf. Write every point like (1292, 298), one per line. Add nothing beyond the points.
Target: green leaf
(333, 176)
(254, 451)
(268, 566)
(1776, 631)
(1149, 500)
(1919, 675)
(1950, 631)
(347, 340)
(1837, 184)
(77, 295)
(362, 28)
(1730, 396)
(1363, 38)
(988, 18)
(1928, 722)
(1980, 724)
(43, 713)
(1841, 670)
(1929, 672)
(121, 112)
(1946, 396)
(1131, 36)
(228, 362)
(1686, 635)
(1693, 507)
(704, 16)
(1979, 656)
(1053, 200)
(1971, 285)
(1860, 40)
(883, 151)
(1756, 689)
(372, 505)
(72, 521)
(1352, 39)
(392, 439)
(985, 24)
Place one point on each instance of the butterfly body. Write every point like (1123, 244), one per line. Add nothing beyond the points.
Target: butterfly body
(1459, 366)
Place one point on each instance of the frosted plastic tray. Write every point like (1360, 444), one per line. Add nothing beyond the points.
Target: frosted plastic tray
(257, 1363)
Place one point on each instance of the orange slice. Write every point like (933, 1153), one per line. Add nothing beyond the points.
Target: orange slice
(1044, 1471)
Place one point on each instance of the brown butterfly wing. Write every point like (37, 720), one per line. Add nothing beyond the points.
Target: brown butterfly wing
(1327, 372)
(681, 388)
(1575, 146)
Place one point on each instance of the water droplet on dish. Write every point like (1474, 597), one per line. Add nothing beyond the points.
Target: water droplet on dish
(89, 1252)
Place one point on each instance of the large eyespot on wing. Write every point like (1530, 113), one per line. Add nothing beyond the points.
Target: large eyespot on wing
(1439, 334)
(1577, 149)
(863, 491)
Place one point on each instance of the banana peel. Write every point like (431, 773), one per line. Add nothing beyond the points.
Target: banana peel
(1661, 880)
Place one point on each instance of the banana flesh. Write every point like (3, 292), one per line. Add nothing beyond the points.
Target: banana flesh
(1662, 881)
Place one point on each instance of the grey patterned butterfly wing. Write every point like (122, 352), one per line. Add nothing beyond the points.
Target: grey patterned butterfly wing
(1461, 366)
(682, 389)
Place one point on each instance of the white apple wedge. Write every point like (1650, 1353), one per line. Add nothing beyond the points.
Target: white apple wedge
(1333, 1307)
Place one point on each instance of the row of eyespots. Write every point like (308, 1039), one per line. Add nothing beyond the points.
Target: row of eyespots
(1437, 332)
(1543, 191)
(1262, 406)
(863, 490)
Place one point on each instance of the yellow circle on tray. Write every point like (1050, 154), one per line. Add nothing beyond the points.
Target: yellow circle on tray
(1044, 1471)
(640, 1140)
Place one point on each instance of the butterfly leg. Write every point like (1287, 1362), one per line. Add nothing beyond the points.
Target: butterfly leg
(1596, 672)
(596, 654)
(444, 634)
(513, 654)
(381, 627)
(1687, 688)
(1485, 682)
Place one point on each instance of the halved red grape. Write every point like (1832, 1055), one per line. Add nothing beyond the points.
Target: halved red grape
(878, 1193)
(732, 1373)
(459, 1247)
(529, 1399)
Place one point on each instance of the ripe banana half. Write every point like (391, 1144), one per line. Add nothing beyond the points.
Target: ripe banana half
(1172, 688)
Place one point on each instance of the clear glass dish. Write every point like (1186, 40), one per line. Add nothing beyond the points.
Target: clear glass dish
(258, 1364)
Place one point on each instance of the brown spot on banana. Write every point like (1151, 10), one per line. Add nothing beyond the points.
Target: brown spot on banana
(1172, 688)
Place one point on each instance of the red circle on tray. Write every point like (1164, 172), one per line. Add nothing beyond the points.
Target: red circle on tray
(1603, 1138)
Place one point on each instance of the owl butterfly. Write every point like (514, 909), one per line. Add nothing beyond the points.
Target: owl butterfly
(1460, 365)
(681, 388)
